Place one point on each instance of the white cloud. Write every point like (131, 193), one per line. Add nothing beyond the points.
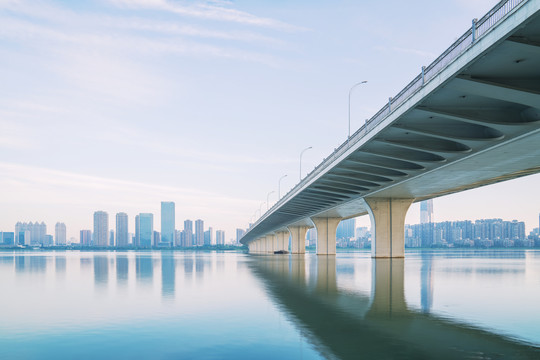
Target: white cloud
(208, 11)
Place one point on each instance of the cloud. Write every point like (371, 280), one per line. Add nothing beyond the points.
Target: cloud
(24, 177)
(209, 11)
(102, 35)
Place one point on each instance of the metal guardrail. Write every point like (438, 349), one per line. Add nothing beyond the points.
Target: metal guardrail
(471, 36)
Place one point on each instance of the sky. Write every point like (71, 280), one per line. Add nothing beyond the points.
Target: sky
(117, 105)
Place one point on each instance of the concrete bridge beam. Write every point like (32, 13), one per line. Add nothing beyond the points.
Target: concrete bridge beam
(326, 234)
(298, 239)
(388, 221)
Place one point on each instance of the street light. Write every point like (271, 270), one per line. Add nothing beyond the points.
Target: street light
(302, 153)
(260, 209)
(350, 91)
(279, 186)
(268, 199)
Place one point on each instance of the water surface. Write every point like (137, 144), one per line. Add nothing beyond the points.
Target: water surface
(203, 305)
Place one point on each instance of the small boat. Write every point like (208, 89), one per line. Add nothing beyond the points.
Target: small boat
(281, 252)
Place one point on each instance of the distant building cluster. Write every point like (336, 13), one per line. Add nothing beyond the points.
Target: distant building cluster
(107, 234)
(483, 233)
(480, 233)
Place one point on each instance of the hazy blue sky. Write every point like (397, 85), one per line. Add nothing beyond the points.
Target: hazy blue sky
(117, 105)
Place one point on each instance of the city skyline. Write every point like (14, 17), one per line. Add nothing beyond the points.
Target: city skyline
(149, 82)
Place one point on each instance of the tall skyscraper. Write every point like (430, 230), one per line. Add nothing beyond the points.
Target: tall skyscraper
(209, 237)
(239, 234)
(188, 233)
(220, 237)
(426, 212)
(167, 222)
(111, 237)
(60, 234)
(346, 229)
(101, 228)
(156, 238)
(86, 237)
(137, 242)
(146, 229)
(427, 222)
(122, 230)
(199, 232)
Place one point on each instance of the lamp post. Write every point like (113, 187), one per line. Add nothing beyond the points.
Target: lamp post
(260, 209)
(350, 91)
(268, 199)
(279, 186)
(302, 153)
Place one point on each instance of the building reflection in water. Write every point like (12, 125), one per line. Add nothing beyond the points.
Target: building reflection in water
(122, 269)
(348, 325)
(144, 268)
(426, 281)
(60, 263)
(200, 261)
(35, 264)
(188, 266)
(168, 276)
(101, 270)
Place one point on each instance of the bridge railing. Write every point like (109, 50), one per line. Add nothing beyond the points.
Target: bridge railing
(477, 30)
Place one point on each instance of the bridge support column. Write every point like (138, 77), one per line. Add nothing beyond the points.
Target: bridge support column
(298, 239)
(282, 240)
(326, 234)
(270, 243)
(265, 245)
(388, 219)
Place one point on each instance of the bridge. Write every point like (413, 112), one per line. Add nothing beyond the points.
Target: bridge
(469, 119)
(347, 325)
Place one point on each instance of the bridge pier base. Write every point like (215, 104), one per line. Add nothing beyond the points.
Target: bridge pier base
(298, 239)
(282, 238)
(326, 234)
(388, 219)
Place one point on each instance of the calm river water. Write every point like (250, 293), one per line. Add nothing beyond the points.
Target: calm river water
(204, 305)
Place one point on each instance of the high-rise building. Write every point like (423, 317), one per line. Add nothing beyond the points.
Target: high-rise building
(220, 237)
(199, 232)
(146, 229)
(122, 230)
(86, 237)
(188, 233)
(167, 222)
(239, 234)
(60, 234)
(7, 238)
(36, 230)
(209, 237)
(23, 238)
(156, 238)
(137, 242)
(426, 212)
(346, 229)
(101, 228)
(111, 237)
(177, 238)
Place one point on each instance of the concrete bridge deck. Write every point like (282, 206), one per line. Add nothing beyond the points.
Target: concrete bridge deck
(470, 119)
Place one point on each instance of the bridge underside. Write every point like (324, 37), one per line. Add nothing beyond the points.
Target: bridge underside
(476, 122)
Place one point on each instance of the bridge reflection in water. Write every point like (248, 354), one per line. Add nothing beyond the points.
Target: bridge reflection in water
(348, 325)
